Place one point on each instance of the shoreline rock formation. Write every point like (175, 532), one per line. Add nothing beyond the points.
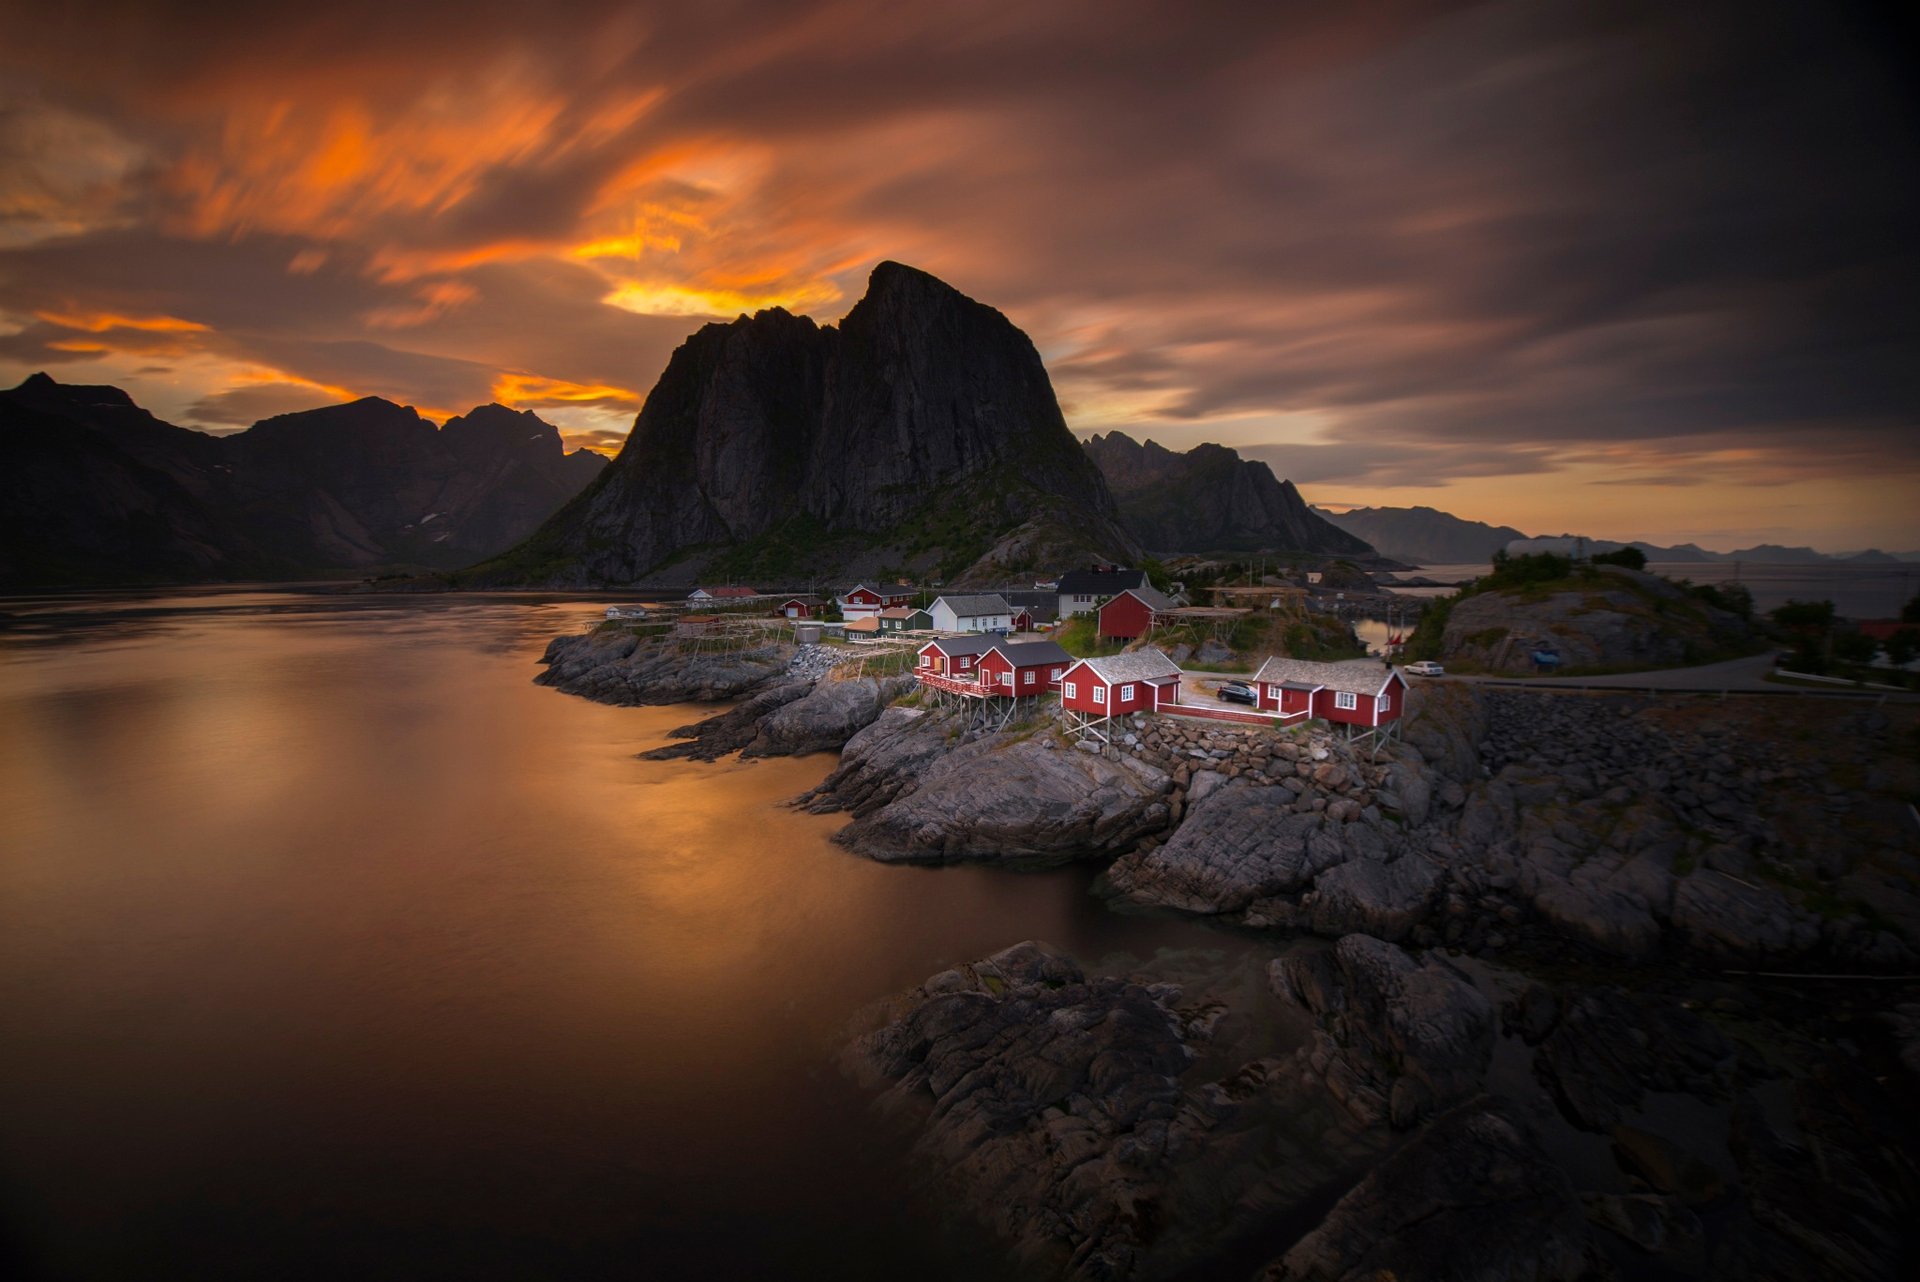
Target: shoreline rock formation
(1409, 1055)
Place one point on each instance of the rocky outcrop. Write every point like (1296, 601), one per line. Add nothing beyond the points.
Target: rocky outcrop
(614, 665)
(1621, 619)
(918, 798)
(1209, 499)
(1399, 1039)
(95, 489)
(1473, 1196)
(1250, 852)
(919, 432)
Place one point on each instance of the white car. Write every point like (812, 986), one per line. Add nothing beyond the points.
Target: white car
(1425, 668)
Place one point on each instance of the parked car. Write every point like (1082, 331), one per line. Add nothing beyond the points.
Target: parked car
(1425, 668)
(1236, 692)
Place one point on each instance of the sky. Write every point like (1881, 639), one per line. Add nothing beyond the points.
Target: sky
(1632, 270)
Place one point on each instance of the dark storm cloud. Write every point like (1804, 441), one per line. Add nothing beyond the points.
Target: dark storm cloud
(1463, 240)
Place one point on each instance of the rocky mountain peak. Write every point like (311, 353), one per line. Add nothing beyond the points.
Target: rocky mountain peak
(920, 431)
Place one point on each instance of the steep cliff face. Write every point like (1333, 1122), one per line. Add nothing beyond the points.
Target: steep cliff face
(1209, 499)
(94, 489)
(922, 432)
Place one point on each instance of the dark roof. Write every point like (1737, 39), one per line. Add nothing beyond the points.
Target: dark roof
(1028, 654)
(1100, 582)
(965, 643)
(1030, 598)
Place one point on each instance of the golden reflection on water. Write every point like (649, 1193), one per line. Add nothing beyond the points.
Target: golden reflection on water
(315, 906)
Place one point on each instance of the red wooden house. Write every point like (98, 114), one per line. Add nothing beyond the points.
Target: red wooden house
(1143, 681)
(1131, 613)
(956, 656)
(861, 601)
(801, 607)
(1022, 668)
(1358, 692)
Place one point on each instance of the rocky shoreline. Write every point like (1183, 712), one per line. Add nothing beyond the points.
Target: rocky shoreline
(1508, 1028)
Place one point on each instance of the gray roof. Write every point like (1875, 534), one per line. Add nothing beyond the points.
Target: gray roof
(1101, 582)
(1031, 598)
(969, 606)
(1028, 654)
(1137, 665)
(1355, 676)
(965, 643)
(1155, 601)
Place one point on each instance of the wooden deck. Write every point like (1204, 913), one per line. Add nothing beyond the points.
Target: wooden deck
(953, 685)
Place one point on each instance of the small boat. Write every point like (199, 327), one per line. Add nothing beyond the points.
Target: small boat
(626, 612)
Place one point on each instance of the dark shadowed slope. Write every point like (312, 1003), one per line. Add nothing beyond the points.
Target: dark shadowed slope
(1209, 499)
(94, 489)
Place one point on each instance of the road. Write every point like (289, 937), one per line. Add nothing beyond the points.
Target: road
(1742, 676)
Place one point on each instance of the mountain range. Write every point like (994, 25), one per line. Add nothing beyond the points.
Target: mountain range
(1209, 499)
(95, 489)
(920, 434)
(1426, 536)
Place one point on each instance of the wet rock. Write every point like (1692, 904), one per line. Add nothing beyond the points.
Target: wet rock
(731, 730)
(1610, 1047)
(1239, 845)
(1728, 917)
(1063, 1113)
(1385, 900)
(997, 800)
(616, 667)
(1657, 1225)
(830, 714)
(1473, 1196)
(1401, 1038)
(1666, 1166)
(1837, 1200)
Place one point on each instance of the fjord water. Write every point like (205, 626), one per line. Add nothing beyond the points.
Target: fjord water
(331, 946)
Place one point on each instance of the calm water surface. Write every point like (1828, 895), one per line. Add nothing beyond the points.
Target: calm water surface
(331, 946)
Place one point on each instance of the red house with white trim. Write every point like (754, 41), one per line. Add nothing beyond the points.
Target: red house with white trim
(1143, 681)
(1131, 614)
(1357, 692)
(956, 656)
(801, 607)
(1022, 668)
(861, 601)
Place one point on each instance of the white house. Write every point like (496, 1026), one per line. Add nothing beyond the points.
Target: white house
(988, 613)
(1082, 591)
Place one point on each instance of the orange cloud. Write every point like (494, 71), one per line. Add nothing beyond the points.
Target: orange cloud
(519, 391)
(101, 322)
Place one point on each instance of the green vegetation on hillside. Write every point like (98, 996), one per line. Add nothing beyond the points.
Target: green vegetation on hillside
(1536, 576)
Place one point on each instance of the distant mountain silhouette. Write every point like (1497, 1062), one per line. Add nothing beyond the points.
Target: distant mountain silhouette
(1423, 535)
(921, 433)
(1209, 499)
(94, 489)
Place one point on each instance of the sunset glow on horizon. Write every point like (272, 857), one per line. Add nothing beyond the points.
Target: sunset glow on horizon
(1630, 273)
